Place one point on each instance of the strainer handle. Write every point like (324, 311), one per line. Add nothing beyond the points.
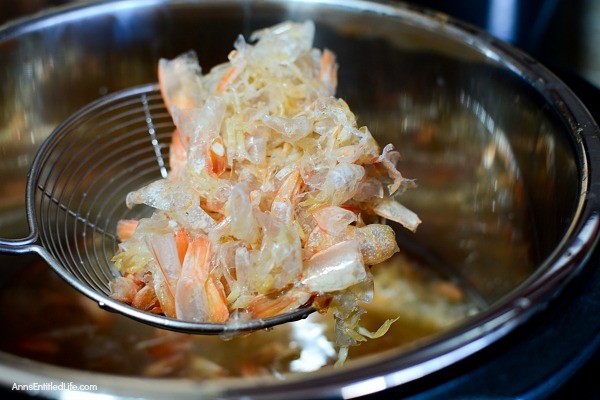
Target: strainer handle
(19, 246)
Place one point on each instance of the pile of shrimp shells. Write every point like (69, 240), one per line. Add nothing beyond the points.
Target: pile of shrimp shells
(274, 195)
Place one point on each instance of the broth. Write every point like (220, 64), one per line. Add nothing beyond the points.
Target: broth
(57, 325)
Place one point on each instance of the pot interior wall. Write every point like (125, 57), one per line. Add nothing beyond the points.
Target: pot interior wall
(484, 149)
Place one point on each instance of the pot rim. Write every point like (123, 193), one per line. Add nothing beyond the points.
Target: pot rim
(369, 374)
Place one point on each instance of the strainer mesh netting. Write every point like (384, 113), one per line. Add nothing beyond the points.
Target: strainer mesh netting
(84, 173)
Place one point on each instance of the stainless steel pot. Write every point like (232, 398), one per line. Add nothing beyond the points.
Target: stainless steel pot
(505, 155)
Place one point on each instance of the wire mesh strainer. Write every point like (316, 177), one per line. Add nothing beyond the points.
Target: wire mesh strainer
(76, 195)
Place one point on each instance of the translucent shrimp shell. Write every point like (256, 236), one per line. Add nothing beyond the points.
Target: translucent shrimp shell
(271, 181)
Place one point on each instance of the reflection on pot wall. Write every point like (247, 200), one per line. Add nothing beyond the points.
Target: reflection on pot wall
(427, 104)
(483, 145)
(53, 71)
(50, 73)
(567, 32)
(561, 33)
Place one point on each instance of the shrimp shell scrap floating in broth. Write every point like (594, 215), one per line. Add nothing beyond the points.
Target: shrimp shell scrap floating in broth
(273, 194)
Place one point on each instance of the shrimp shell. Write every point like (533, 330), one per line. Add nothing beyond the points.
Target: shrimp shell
(264, 306)
(198, 296)
(393, 210)
(335, 268)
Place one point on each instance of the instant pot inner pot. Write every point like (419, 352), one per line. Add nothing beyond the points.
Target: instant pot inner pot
(485, 149)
